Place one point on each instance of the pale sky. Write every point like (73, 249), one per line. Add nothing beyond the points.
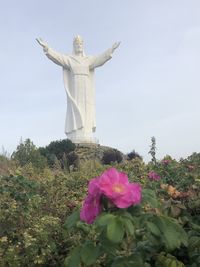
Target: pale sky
(151, 87)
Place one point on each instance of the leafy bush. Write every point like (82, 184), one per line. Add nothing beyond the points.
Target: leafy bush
(72, 160)
(57, 150)
(158, 232)
(7, 166)
(40, 223)
(111, 156)
(133, 155)
(26, 153)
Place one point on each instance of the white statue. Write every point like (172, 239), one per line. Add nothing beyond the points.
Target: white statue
(78, 70)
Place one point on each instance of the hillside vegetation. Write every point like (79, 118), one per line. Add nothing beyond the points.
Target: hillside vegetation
(42, 191)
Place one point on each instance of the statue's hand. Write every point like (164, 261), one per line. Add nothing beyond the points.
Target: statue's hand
(116, 45)
(41, 42)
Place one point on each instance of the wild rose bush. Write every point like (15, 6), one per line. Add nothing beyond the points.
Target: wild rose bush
(32, 214)
(180, 174)
(121, 224)
(40, 222)
(154, 176)
(115, 187)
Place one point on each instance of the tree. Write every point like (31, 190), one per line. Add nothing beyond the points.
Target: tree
(72, 160)
(111, 156)
(152, 150)
(26, 153)
(57, 150)
(133, 155)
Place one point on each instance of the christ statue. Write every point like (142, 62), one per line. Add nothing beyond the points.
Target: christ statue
(78, 73)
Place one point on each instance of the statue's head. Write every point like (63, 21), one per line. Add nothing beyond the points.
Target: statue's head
(78, 45)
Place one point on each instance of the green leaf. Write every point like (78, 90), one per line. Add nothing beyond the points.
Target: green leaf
(127, 215)
(133, 261)
(89, 253)
(105, 218)
(83, 226)
(195, 226)
(136, 260)
(149, 197)
(172, 233)
(107, 246)
(153, 229)
(115, 231)
(119, 262)
(134, 210)
(129, 227)
(194, 241)
(74, 260)
(72, 219)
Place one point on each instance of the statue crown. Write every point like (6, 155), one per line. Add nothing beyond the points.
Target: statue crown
(78, 39)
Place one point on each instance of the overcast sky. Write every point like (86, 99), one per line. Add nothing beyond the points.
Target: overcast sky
(151, 87)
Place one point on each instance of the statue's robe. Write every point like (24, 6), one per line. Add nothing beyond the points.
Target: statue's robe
(78, 75)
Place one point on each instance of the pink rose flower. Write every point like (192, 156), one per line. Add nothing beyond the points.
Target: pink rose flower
(93, 187)
(91, 209)
(115, 186)
(154, 176)
(190, 167)
(165, 161)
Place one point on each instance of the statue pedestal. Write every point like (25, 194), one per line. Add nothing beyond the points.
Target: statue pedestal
(88, 141)
(91, 151)
(79, 137)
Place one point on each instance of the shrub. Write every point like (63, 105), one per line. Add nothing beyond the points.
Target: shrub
(133, 155)
(39, 228)
(56, 151)
(32, 214)
(7, 165)
(72, 160)
(26, 153)
(111, 156)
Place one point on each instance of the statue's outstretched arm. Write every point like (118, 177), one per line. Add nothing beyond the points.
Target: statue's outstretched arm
(101, 59)
(42, 43)
(51, 54)
(115, 46)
